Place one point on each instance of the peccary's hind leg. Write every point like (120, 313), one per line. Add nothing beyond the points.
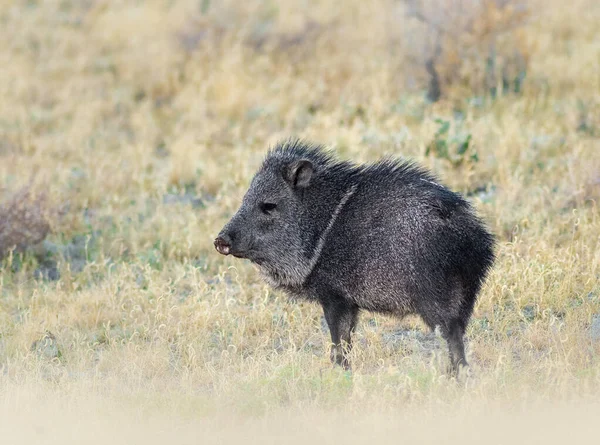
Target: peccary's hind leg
(453, 333)
(341, 318)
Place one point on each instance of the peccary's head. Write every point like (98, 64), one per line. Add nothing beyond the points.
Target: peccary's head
(277, 224)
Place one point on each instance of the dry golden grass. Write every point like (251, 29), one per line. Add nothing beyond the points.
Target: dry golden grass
(143, 122)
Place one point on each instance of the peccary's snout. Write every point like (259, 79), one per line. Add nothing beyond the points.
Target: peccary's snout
(223, 244)
(232, 242)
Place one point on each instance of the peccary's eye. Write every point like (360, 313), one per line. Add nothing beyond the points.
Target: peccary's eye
(267, 207)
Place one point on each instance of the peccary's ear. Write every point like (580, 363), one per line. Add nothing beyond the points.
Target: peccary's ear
(298, 173)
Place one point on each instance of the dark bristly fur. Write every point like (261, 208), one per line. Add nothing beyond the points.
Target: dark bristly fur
(384, 237)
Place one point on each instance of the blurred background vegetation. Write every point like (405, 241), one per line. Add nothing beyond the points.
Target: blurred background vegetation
(129, 131)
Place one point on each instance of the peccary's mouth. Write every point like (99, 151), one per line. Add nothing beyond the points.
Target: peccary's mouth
(250, 255)
(224, 247)
(226, 250)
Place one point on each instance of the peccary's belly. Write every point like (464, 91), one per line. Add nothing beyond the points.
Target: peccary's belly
(376, 293)
(389, 298)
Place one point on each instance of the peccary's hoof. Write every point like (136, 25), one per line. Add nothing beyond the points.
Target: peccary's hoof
(459, 370)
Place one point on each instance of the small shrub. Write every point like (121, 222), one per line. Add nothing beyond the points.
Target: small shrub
(473, 46)
(455, 148)
(24, 220)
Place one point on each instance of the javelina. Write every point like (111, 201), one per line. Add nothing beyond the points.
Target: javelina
(386, 237)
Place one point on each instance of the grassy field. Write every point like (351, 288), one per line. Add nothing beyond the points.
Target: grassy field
(129, 131)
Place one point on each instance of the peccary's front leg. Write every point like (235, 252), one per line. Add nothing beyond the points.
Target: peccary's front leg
(341, 318)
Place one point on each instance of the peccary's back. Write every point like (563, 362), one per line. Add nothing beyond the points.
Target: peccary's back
(403, 243)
